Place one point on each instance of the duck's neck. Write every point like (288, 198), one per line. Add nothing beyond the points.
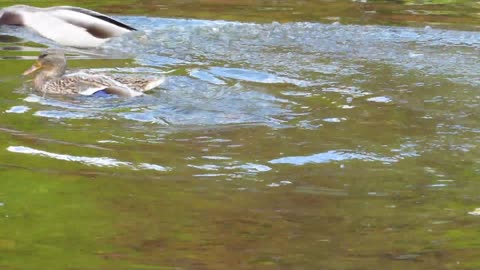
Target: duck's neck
(45, 76)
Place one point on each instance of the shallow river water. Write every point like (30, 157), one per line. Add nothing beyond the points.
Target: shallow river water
(292, 145)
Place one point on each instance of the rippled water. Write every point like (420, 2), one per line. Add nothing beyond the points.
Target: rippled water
(269, 146)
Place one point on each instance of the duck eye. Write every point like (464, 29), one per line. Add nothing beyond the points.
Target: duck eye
(42, 56)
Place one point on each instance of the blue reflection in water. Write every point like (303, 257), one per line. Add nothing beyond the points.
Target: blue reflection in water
(331, 156)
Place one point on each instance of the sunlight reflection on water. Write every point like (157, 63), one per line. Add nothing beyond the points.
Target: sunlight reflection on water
(91, 161)
(331, 156)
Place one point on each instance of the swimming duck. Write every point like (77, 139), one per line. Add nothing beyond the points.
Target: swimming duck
(66, 25)
(53, 79)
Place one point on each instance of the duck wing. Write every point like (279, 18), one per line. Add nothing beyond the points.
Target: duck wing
(140, 84)
(95, 14)
(97, 24)
(112, 90)
(87, 85)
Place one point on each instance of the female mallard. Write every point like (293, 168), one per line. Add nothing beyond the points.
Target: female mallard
(52, 79)
(70, 26)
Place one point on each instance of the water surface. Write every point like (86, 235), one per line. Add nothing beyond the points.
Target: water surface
(271, 145)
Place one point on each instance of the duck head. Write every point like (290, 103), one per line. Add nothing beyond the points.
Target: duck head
(50, 63)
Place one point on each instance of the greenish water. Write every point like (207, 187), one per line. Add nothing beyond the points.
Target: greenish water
(285, 145)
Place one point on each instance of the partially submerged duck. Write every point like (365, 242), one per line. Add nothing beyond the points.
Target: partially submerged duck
(70, 26)
(52, 79)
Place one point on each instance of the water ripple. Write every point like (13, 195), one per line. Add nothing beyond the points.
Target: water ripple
(285, 50)
(90, 161)
(331, 156)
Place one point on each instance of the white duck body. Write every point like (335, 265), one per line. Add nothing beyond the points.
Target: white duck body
(70, 26)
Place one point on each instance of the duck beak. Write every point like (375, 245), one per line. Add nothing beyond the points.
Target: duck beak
(36, 66)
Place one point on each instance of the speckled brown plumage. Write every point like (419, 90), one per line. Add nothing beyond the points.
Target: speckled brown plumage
(52, 79)
(76, 83)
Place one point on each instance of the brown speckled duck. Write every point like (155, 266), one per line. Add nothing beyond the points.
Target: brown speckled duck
(52, 79)
(66, 25)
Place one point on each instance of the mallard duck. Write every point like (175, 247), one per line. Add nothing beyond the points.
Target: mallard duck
(53, 79)
(70, 26)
